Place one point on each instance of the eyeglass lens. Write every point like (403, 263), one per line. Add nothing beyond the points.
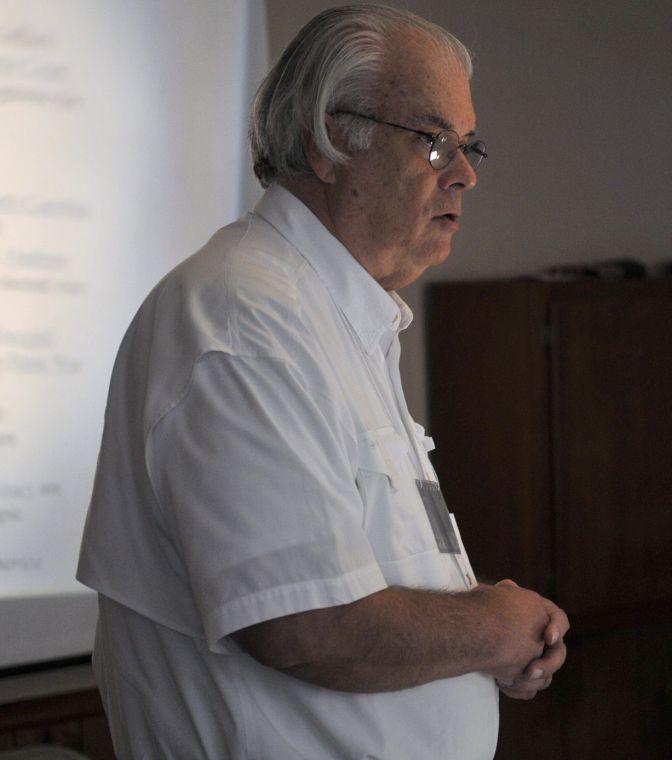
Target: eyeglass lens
(446, 145)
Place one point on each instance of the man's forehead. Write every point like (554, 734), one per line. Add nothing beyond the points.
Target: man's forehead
(433, 92)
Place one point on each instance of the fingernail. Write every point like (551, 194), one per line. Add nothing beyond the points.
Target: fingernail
(554, 637)
(536, 673)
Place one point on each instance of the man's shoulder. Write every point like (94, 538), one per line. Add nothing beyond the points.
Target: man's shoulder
(247, 254)
(244, 290)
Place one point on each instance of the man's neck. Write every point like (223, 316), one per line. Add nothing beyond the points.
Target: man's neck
(310, 191)
(313, 194)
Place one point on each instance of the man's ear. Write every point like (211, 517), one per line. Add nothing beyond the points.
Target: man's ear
(323, 168)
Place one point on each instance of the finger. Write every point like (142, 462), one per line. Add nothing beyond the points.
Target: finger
(551, 634)
(558, 624)
(554, 631)
(519, 692)
(535, 672)
(522, 689)
(553, 659)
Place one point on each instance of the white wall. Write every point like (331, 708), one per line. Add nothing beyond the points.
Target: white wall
(573, 99)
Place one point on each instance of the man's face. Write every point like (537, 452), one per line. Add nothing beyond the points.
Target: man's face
(393, 211)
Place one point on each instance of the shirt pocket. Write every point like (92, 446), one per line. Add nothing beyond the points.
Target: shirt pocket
(395, 520)
(425, 445)
(383, 451)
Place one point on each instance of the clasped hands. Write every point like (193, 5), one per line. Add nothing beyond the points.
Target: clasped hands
(538, 673)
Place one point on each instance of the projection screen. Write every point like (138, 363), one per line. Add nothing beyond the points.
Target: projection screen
(122, 149)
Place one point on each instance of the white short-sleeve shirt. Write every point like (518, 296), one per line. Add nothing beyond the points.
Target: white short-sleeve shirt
(258, 460)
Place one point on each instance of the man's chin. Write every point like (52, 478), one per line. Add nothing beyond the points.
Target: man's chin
(440, 255)
(409, 277)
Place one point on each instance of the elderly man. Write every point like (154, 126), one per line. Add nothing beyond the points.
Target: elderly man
(278, 574)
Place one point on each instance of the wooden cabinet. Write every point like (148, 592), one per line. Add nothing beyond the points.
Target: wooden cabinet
(551, 405)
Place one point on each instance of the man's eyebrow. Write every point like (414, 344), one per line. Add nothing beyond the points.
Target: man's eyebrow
(438, 121)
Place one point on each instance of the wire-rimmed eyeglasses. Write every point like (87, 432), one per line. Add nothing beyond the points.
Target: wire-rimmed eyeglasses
(443, 146)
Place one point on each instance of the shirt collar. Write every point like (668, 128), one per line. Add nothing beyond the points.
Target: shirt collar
(371, 311)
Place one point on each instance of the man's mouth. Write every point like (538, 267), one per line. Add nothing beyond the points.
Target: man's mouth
(449, 220)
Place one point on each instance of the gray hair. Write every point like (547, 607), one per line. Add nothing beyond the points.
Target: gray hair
(334, 63)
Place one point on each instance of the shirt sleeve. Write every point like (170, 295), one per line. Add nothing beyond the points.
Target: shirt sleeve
(253, 475)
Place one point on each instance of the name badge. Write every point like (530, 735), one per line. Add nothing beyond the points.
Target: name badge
(439, 517)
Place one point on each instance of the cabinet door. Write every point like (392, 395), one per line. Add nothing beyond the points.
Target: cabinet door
(488, 414)
(611, 398)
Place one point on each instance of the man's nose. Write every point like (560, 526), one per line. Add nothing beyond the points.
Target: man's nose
(459, 173)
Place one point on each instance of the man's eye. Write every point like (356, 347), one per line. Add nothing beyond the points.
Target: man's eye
(427, 139)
